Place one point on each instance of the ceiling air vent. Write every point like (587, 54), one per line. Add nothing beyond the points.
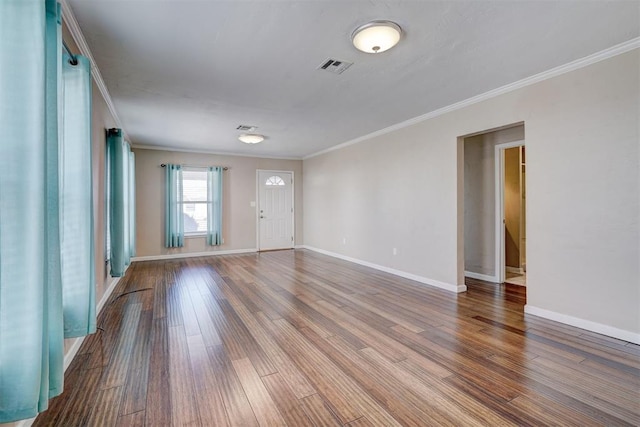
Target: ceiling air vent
(246, 128)
(334, 66)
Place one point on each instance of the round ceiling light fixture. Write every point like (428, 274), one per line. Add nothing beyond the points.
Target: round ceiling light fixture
(251, 138)
(376, 36)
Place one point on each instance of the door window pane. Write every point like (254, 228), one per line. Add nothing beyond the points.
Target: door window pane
(274, 180)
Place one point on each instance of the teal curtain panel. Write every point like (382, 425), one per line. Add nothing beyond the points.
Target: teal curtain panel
(76, 195)
(174, 219)
(214, 206)
(125, 203)
(116, 143)
(132, 204)
(107, 198)
(121, 202)
(53, 370)
(31, 324)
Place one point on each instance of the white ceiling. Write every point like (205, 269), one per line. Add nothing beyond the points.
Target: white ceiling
(184, 74)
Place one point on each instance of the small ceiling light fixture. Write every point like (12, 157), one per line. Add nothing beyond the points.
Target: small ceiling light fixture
(251, 138)
(376, 36)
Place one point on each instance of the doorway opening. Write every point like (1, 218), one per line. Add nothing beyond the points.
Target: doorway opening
(275, 216)
(492, 228)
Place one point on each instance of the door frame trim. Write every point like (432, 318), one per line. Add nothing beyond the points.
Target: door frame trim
(500, 261)
(293, 205)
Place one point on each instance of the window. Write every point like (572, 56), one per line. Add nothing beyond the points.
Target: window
(194, 201)
(274, 180)
(193, 204)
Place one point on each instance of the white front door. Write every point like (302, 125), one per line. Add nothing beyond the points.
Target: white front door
(275, 210)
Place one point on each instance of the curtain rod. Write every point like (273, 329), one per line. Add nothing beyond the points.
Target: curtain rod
(224, 168)
(74, 60)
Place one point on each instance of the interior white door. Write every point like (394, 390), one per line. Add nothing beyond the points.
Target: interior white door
(275, 210)
(500, 224)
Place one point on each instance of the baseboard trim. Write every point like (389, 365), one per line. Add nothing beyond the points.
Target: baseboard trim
(588, 325)
(107, 294)
(479, 276)
(77, 342)
(73, 350)
(26, 423)
(193, 254)
(425, 280)
(514, 270)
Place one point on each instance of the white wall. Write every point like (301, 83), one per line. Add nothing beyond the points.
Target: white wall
(238, 217)
(401, 189)
(479, 198)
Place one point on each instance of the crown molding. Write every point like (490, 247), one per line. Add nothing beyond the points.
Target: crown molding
(528, 81)
(74, 28)
(217, 153)
(76, 33)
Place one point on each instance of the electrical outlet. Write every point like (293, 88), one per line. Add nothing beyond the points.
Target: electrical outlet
(395, 251)
(344, 240)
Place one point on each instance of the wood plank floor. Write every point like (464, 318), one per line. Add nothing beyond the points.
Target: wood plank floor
(297, 338)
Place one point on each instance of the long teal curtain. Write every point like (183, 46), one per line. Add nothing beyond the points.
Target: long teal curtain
(31, 334)
(126, 202)
(119, 190)
(107, 200)
(76, 195)
(214, 206)
(174, 218)
(47, 281)
(52, 369)
(132, 204)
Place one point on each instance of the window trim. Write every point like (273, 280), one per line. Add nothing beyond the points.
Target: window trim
(193, 234)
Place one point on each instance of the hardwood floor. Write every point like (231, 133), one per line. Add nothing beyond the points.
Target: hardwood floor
(297, 338)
